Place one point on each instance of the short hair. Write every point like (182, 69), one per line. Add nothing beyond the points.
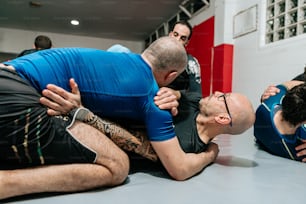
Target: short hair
(186, 23)
(294, 105)
(42, 42)
(166, 52)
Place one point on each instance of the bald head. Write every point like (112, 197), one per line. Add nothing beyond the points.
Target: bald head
(166, 53)
(242, 112)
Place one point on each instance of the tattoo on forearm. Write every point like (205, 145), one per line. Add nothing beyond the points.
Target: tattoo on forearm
(129, 140)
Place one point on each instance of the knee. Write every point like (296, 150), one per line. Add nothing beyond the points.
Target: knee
(120, 169)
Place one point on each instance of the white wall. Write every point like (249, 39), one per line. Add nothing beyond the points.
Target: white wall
(14, 41)
(257, 65)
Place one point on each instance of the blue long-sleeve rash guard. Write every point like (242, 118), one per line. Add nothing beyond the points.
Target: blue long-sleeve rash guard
(115, 85)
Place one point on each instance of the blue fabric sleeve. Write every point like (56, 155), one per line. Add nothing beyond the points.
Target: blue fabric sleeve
(159, 124)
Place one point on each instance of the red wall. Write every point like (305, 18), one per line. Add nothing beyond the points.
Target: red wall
(215, 62)
(223, 67)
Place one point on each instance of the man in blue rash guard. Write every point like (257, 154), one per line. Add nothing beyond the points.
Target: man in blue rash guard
(280, 121)
(111, 84)
(106, 90)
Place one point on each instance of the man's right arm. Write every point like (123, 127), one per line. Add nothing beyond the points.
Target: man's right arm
(181, 165)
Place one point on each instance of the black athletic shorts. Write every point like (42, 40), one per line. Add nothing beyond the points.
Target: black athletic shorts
(28, 136)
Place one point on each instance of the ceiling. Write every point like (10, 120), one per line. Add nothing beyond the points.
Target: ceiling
(116, 19)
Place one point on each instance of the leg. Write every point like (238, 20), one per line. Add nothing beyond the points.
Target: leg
(110, 169)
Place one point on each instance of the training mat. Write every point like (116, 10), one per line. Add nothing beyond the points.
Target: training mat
(242, 174)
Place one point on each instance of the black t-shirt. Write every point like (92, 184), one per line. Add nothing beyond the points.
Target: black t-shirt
(300, 77)
(185, 123)
(26, 52)
(190, 79)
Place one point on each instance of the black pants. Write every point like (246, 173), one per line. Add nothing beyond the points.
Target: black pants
(29, 137)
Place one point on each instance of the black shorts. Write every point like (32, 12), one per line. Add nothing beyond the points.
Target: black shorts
(29, 137)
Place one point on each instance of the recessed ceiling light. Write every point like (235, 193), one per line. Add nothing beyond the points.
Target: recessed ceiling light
(74, 22)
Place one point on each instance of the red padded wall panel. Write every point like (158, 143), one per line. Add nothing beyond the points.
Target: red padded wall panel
(216, 62)
(222, 68)
(201, 46)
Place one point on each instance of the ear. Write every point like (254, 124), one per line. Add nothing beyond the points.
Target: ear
(171, 76)
(223, 119)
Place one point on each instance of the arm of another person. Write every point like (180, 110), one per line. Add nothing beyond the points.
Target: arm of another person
(290, 84)
(272, 90)
(181, 165)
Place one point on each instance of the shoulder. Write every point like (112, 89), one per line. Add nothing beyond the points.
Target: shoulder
(191, 57)
(26, 52)
(189, 102)
(193, 63)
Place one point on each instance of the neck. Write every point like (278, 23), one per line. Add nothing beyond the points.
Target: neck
(283, 126)
(144, 57)
(206, 131)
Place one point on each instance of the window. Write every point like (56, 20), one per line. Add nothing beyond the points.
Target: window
(192, 6)
(186, 10)
(285, 19)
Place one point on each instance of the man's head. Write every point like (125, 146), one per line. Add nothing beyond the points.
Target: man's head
(167, 58)
(181, 31)
(42, 42)
(294, 105)
(233, 111)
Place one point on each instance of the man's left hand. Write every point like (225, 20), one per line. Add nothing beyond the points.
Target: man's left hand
(60, 101)
(167, 98)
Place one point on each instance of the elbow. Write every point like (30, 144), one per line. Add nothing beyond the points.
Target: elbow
(179, 174)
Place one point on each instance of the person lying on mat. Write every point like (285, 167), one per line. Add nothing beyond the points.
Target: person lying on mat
(211, 118)
(280, 120)
(199, 120)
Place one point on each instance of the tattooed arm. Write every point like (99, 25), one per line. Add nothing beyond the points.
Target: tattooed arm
(129, 140)
(60, 101)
